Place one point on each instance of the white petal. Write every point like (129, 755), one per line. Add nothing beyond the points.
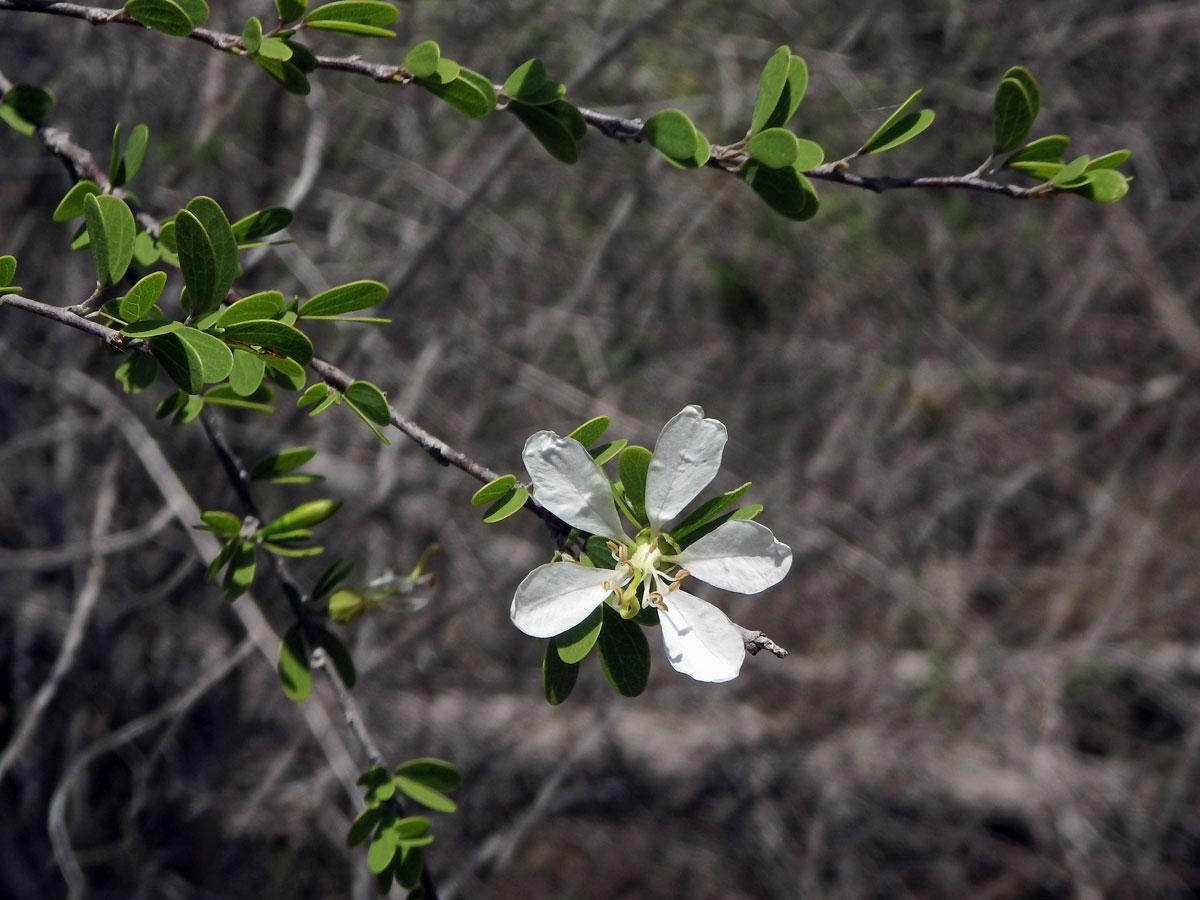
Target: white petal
(740, 556)
(699, 638)
(686, 459)
(567, 481)
(558, 596)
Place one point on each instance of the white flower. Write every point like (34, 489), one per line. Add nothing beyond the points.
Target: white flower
(740, 555)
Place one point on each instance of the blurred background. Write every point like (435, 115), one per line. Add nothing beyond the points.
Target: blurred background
(974, 420)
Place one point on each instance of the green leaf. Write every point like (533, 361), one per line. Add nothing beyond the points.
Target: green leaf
(774, 147)
(424, 795)
(240, 574)
(30, 105)
(632, 465)
(197, 261)
(1021, 74)
(122, 167)
(148, 328)
(338, 655)
(220, 235)
(305, 515)
(550, 130)
(263, 305)
(166, 16)
(197, 11)
(137, 373)
(1108, 160)
(8, 269)
(142, 296)
(145, 250)
(279, 463)
(284, 371)
(707, 510)
(1047, 149)
(363, 824)
(313, 394)
(416, 826)
(530, 84)
(179, 360)
(809, 155)
(343, 299)
(422, 60)
(770, 87)
(274, 48)
(435, 773)
(1044, 171)
(273, 336)
(111, 228)
(598, 552)
(577, 642)
(900, 126)
(369, 402)
(286, 73)
(487, 89)
(362, 12)
(624, 653)
(793, 93)
(261, 223)
(672, 134)
(1103, 186)
(464, 94)
(71, 206)
(1012, 115)
(785, 190)
(221, 559)
(494, 490)
(290, 10)
(252, 35)
(558, 677)
(505, 506)
(381, 851)
(255, 401)
(302, 58)
(1071, 172)
(293, 665)
(220, 522)
(216, 359)
(331, 578)
(591, 430)
(350, 28)
(408, 871)
(602, 453)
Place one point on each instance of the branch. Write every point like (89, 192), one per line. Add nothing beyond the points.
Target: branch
(725, 158)
(105, 501)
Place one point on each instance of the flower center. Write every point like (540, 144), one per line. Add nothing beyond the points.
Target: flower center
(640, 582)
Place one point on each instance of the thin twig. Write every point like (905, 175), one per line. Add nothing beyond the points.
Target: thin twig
(101, 519)
(56, 818)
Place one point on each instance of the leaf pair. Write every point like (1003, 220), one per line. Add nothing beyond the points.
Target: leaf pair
(673, 135)
(620, 643)
(465, 90)
(207, 254)
(367, 401)
(902, 125)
